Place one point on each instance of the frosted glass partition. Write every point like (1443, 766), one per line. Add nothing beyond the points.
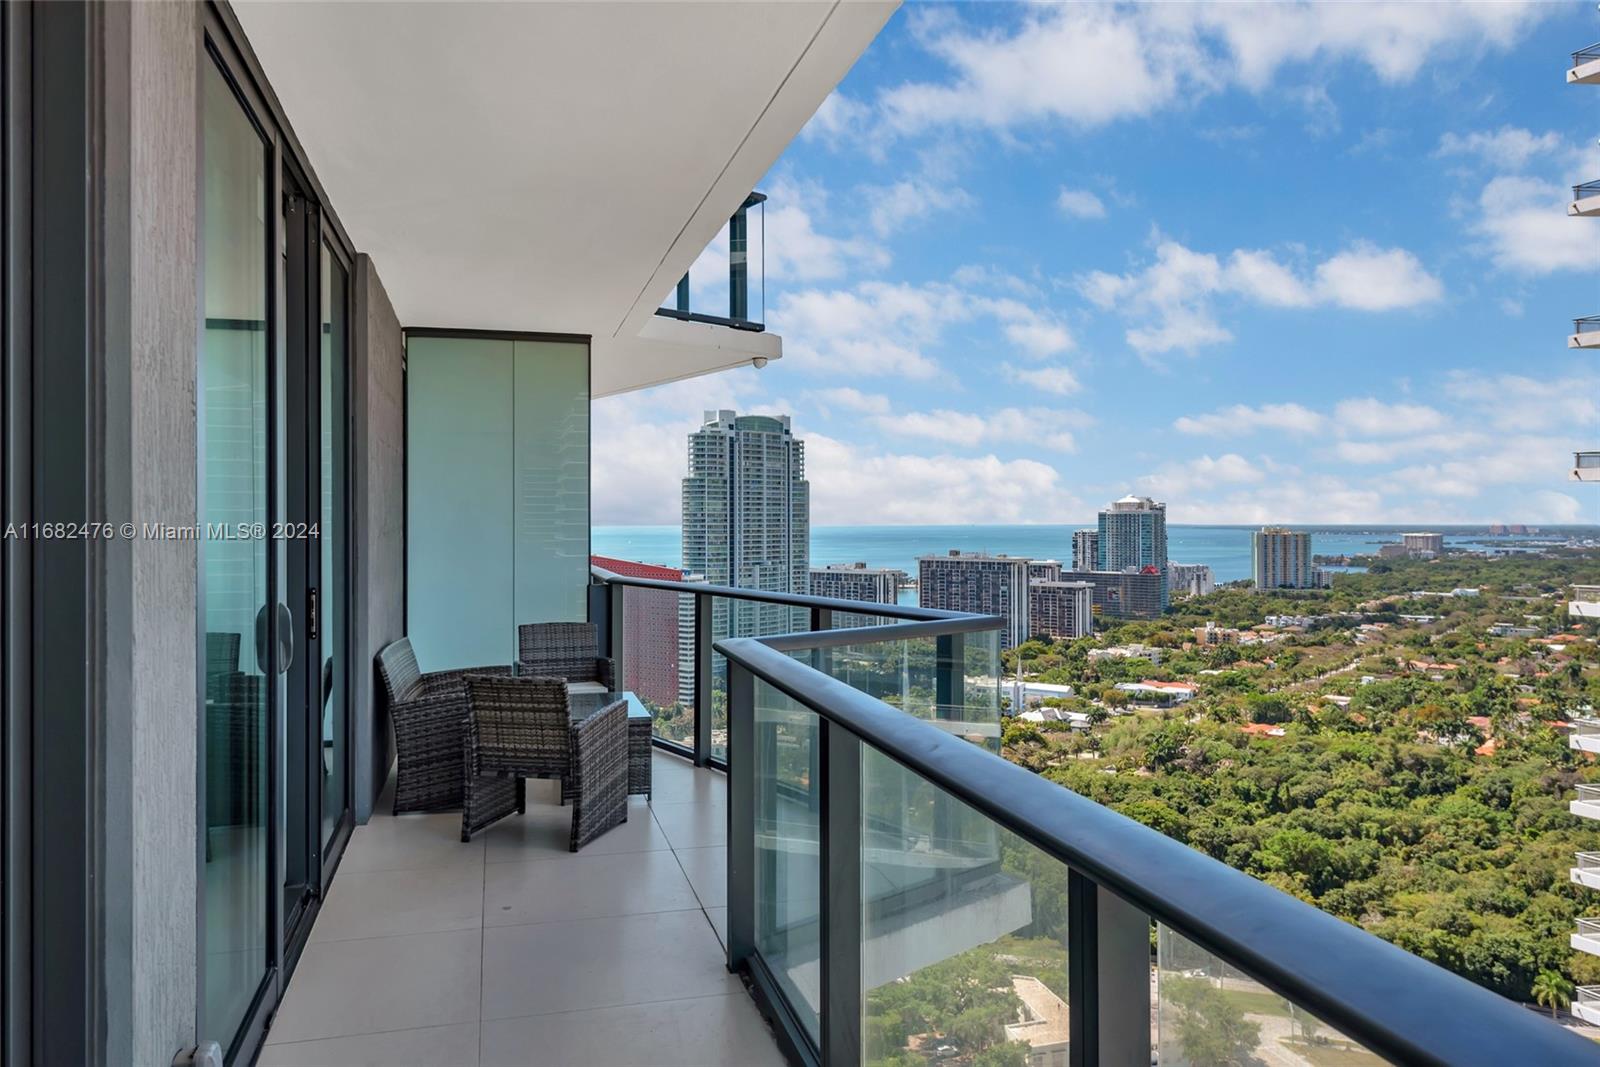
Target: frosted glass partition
(497, 494)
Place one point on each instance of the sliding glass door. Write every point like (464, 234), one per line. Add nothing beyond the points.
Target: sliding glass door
(273, 432)
(234, 392)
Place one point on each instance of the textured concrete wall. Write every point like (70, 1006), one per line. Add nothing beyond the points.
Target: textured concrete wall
(378, 374)
(164, 212)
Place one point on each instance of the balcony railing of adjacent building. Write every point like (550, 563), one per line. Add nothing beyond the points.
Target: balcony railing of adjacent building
(730, 275)
(1584, 729)
(887, 877)
(1589, 928)
(1585, 55)
(1586, 466)
(1589, 794)
(1588, 862)
(1586, 998)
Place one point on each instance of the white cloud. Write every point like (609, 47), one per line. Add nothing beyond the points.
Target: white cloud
(1508, 148)
(1524, 222)
(1241, 419)
(851, 400)
(1087, 65)
(1370, 279)
(1170, 300)
(1017, 426)
(840, 119)
(1372, 417)
(1059, 381)
(1517, 403)
(852, 485)
(1204, 473)
(792, 248)
(1393, 450)
(892, 206)
(1080, 204)
(884, 328)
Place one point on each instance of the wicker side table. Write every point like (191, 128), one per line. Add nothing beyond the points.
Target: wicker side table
(640, 729)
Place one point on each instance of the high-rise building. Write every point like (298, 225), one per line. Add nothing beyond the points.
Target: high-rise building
(857, 581)
(1060, 609)
(1085, 550)
(1194, 579)
(1044, 570)
(650, 623)
(1132, 536)
(1130, 594)
(1423, 545)
(1282, 558)
(979, 583)
(747, 517)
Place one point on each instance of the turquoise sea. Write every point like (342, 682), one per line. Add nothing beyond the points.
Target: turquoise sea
(1225, 548)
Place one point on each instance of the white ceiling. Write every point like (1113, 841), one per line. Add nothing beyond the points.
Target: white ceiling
(547, 166)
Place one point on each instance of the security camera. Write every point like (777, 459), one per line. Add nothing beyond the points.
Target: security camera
(759, 362)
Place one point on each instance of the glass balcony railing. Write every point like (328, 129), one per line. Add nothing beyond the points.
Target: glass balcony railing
(1587, 324)
(901, 895)
(1588, 862)
(1586, 55)
(1586, 190)
(1589, 794)
(726, 285)
(1585, 729)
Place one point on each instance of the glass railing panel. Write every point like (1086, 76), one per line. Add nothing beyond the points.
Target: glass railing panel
(728, 279)
(1209, 1012)
(743, 618)
(964, 927)
(788, 831)
(658, 658)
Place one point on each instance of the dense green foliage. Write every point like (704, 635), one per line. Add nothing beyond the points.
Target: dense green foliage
(1381, 812)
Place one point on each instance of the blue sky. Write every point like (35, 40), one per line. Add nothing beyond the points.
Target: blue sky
(1293, 264)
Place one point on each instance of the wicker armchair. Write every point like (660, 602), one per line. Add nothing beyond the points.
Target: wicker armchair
(568, 650)
(521, 727)
(429, 712)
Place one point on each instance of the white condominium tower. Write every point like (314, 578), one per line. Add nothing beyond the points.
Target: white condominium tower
(747, 516)
(1282, 558)
(1132, 536)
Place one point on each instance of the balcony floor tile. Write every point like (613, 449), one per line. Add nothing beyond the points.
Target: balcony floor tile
(512, 950)
(673, 1033)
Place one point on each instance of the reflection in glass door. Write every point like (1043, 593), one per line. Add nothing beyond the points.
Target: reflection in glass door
(233, 460)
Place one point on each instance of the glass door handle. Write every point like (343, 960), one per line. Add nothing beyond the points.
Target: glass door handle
(285, 638)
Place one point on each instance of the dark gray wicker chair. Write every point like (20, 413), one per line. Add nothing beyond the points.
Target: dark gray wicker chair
(568, 650)
(521, 727)
(429, 713)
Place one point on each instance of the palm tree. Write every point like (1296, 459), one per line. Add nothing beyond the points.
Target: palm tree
(1552, 990)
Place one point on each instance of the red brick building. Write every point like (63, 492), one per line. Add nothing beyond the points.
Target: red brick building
(650, 628)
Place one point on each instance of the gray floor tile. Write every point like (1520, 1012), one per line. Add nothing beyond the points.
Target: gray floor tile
(410, 842)
(342, 988)
(585, 886)
(589, 963)
(545, 831)
(693, 825)
(386, 903)
(433, 1046)
(719, 923)
(707, 869)
(703, 1032)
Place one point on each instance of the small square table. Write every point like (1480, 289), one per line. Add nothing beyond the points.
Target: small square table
(581, 705)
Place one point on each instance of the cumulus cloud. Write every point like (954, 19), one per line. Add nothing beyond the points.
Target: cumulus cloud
(1032, 426)
(1515, 402)
(1080, 204)
(891, 207)
(849, 399)
(1242, 419)
(890, 328)
(1200, 475)
(1524, 223)
(1372, 417)
(1509, 147)
(1171, 298)
(1059, 381)
(1088, 65)
(848, 486)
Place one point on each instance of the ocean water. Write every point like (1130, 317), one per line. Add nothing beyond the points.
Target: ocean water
(1225, 548)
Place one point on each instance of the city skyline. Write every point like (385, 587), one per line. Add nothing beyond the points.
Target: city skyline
(971, 302)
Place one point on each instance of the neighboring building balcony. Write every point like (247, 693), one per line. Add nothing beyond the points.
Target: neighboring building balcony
(1587, 870)
(1585, 735)
(1586, 466)
(1587, 803)
(1585, 69)
(1585, 200)
(1585, 332)
(1586, 1004)
(726, 286)
(1586, 936)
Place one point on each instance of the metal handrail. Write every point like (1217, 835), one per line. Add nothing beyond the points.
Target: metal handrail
(793, 600)
(1589, 927)
(1584, 54)
(1396, 1004)
(1588, 992)
(1587, 860)
(1582, 727)
(1588, 792)
(1587, 189)
(1586, 459)
(1586, 324)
